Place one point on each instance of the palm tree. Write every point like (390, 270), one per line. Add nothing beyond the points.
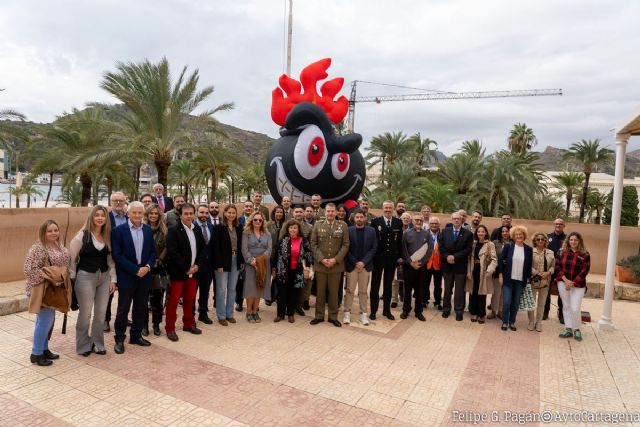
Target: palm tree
(473, 148)
(401, 180)
(423, 149)
(251, 178)
(388, 148)
(46, 159)
(597, 201)
(29, 190)
(461, 170)
(521, 138)
(210, 159)
(441, 197)
(7, 130)
(186, 174)
(544, 207)
(71, 193)
(160, 106)
(590, 155)
(568, 183)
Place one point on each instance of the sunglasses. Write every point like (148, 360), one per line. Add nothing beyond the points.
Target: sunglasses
(540, 239)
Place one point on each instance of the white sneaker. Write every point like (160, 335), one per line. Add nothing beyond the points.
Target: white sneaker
(364, 319)
(347, 318)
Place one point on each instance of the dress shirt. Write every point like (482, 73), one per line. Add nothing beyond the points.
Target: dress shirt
(138, 240)
(192, 241)
(517, 265)
(205, 231)
(120, 219)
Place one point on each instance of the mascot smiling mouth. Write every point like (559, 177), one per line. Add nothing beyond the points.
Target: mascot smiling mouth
(309, 157)
(286, 188)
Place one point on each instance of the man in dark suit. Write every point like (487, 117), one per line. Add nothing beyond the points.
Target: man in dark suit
(455, 245)
(134, 252)
(389, 235)
(117, 216)
(358, 264)
(414, 241)
(214, 213)
(258, 206)
(185, 257)
(205, 273)
(165, 203)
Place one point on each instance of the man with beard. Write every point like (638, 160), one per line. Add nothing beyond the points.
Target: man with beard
(476, 219)
(173, 216)
(214, 213)
(400, 209)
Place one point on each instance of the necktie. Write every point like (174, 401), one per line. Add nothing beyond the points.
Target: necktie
(455, 234)
(161, 203)
(205, 233)
(389, 223)
(214, 220)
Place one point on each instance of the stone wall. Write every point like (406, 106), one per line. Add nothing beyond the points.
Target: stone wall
(19, 229)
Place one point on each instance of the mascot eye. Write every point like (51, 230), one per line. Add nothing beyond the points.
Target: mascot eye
(339, 165)
(310, 153)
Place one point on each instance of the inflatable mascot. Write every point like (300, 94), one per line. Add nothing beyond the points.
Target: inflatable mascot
(310, 158)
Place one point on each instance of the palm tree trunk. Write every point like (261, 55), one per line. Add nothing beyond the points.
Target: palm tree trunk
(162, 166)
(17, 199)
(569, 197)
(214, 185)
(85, 180)
(585, 191)
(46, 202)
(28, 200)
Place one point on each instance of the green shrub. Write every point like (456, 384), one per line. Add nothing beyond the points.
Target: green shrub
(629, 213)
(632, 262)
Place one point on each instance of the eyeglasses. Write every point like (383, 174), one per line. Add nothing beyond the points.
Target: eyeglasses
(417, 220)
(117, 201)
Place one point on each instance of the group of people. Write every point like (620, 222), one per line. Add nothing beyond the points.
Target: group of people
(162, 252)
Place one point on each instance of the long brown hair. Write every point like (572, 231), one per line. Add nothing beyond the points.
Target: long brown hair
(42, 231)
(565, 244)
(225, 221)
(248, 227)
(106, 228)
(161, 225)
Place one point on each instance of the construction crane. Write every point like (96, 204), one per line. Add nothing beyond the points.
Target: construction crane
(432, 95)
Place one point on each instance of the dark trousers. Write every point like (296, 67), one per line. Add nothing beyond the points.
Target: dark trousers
(107, 314)
(437, 286)
(383, 269)
(287, 297)
(204, 286)
(139, 296)
(547, 305)
(413, 281)
(240, 288)
(477, 303)
(454, 284)
(157, 306)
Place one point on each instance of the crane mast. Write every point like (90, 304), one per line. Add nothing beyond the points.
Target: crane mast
(438, 95)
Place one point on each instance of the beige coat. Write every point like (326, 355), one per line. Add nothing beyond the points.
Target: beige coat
(488, 264)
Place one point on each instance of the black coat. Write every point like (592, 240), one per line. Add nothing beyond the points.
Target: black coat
(506, 260)
(389, 239)
(370, 247)
(179, 251)
(222, 248)
(460, 249)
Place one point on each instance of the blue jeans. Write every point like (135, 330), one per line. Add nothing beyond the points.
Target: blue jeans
(226, 290)
(511, 300)
(44, 322)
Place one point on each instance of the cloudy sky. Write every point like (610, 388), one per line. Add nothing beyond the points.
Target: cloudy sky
(53, 54)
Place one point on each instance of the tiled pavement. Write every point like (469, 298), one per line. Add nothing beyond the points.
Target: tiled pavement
(391, 373)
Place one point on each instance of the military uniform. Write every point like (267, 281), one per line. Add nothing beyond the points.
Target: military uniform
(370, 217)
(263, 210)
(318, 214)
(329, 240)
(385, 261)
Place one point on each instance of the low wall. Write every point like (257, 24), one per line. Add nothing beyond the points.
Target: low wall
(19, 230)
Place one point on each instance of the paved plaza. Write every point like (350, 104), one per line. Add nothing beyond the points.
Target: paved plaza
(397, 373)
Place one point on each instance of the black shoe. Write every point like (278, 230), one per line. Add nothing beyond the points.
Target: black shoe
(459, 317)
(100, 352)
(239, 307)
(439, 307)
(180, 301)
(51, 356)
(336, 323)
(403, 315)
(119, 348)
(107, 328)
(129, 323)
(306, 306)
(389, 316)
(445, 314)
(41, 360)
(394, 305)
(145, 332)
(193, 330)
(140, 341)
(86, 353)
(300, 312)
(268, 302)
(172, 336)
(204, 318)
(503, 327)
(561, 319)
(513, 327)
(425, 305)
(316, 321)
(421, 317)
(156, 330)
(545, 316)
(372, 316)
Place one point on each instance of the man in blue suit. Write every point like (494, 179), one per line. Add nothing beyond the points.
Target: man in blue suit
(205, 273)
(134, 252)
(358, 264)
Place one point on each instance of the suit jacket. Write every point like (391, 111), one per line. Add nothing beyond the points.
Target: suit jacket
(460, 249)
(506, 259)
(222, 248)
(389, 239)
(208, 249)
(112, 219)
(329, 241)
(370, 246)
(412, 240)
(263, 210)
(211, 220)
(168, 202)
(179, 251)
(124, 255)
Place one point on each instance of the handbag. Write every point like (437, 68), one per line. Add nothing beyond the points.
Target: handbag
(56, 287)
(160, 281)
(527, 302)
(536, 281)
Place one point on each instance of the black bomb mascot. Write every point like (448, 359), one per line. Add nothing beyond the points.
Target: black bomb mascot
(309, 158)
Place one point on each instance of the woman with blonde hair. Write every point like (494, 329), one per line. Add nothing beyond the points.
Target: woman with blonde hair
(46, 251)
(95, 279)
(541, 272)
(256, 250)
(516, 260)
(573, 263)
(154, 218)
